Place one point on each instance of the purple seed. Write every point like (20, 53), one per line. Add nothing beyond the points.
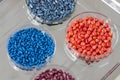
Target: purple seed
(54, 74)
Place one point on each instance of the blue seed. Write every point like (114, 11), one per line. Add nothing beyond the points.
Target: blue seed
(29, 48)
(45, 9)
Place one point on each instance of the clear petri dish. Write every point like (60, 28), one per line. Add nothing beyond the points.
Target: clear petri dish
(40, 18)
(58, 68)
(72, 54)
(19, 67)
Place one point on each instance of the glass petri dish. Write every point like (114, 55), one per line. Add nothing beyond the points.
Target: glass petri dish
(40, 19)
(72, 54)
(58, 68)
(19, 67)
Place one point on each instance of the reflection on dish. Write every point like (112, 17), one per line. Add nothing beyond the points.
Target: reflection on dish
(115, 5)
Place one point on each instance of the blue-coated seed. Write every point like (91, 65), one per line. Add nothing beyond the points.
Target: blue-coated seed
(29, 48)
(51, 10)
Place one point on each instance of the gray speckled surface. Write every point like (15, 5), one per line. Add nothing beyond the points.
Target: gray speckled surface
(13, 14)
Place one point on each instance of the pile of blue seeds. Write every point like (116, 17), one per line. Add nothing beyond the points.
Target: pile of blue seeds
(51, 11)
(29, 48)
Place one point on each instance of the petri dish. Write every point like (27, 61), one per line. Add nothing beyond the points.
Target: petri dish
(26, 30)
(41, 13)
(56, 68)
(72, 53)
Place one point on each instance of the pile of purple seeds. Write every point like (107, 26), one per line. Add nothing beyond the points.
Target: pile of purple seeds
(54, 74)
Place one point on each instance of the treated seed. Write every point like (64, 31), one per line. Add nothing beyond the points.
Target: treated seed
(49, 11)
(78, 55)
(94, 46)
(82, 43)
(108, 44)
(26, 48)
(110, 34)
(101, 56)
(101, 21)
(87, 58)
(92, 58)
(86, 35)
(101, 51)
(94, 53)
(96, 40)
(84, 51)
(109, 50)
(89, 39)
(93, 38)
(55, 75)
(96, 58)
(82, 56)
(92, 42)
(74, 47)
(108, 29)
(106, 54)
(109, 38)
(80, 50)
(88, 48)
(89, 53)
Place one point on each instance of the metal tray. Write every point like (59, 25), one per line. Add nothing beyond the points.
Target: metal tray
(13, 14)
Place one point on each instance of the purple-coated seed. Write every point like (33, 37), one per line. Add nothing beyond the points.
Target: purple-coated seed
(54, 74)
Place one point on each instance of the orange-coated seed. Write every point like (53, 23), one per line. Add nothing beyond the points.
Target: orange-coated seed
(91, 37)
